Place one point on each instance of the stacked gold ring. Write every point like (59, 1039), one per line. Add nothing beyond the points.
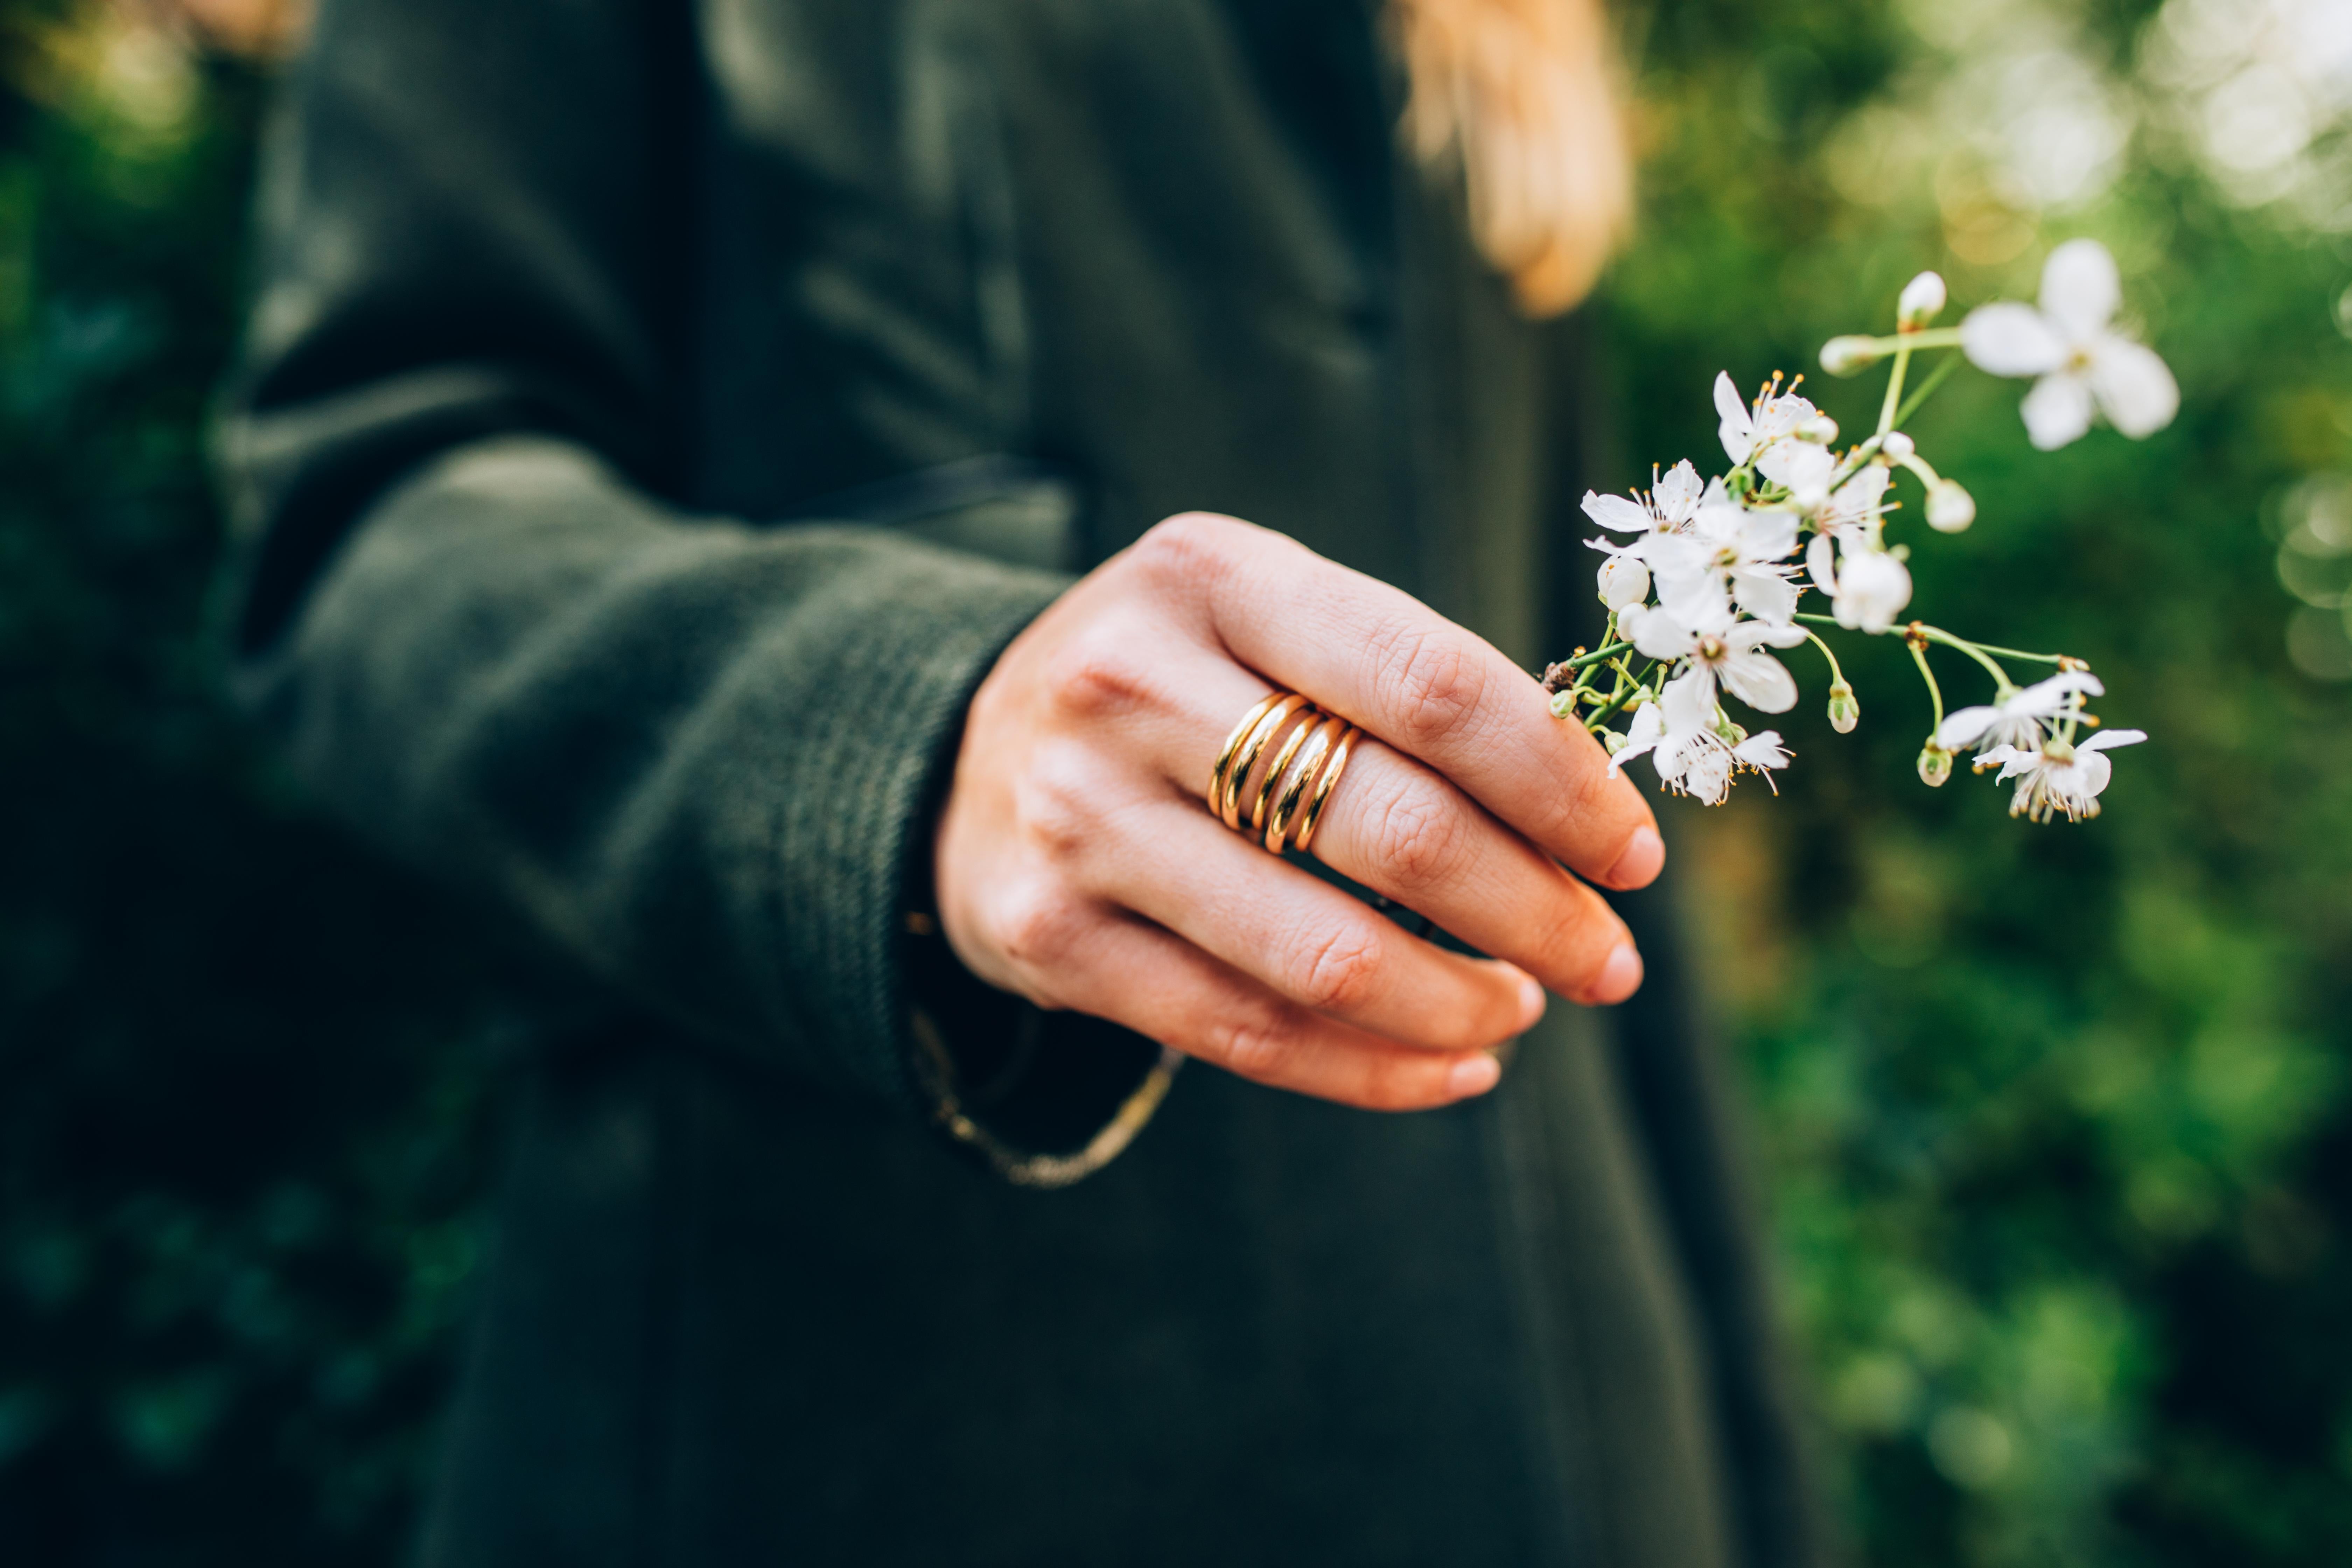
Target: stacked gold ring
(1297, 782)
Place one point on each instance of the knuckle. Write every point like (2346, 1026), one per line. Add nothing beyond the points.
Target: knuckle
(1037, 926)
(1418, 838)
(1341, 970)
(1095, 675)
(1188, 545)
(1577, 946)
(1431, 682)
(1264, 1048)
(1055, 805)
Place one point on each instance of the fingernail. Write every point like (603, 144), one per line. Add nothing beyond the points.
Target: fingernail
(1532, 1000)
(1644, 858)
(1473, 1074)
(1620, 977)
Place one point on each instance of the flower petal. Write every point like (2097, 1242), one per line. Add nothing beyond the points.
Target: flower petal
(2107, 739)
(1820, 563)
(1617, 512)
(1738, 429)
(2135, 388)
(1965, 727)
(2080, 289)
(1760, 680)
(1762, 750)
(1767, 535)
(1746, 634)
(2092, 774)
(2057, 411)
(1677, 493)
(1766, 595)
(2010, 340)
(1687, 702)
(1798, 466)
(1656, 632)
(1693, 596)
(1645, 731)
(2044, 697)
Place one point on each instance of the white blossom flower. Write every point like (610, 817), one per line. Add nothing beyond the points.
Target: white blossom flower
(1731, 551)
(1678, 733)
(1721, 651)
(2071, 344)
(1867, 586)
(1744, 431)
(1625, 580)
(1853, 511)
(1804, 468)
(2016, 720)
(1673, 500)
(2058, 775)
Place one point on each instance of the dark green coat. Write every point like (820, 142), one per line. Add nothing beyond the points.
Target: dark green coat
(657, 418)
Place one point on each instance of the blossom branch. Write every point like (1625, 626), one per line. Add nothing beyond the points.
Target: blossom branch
(1708, 582)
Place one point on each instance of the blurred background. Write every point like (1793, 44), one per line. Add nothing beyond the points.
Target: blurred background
(2057, 1122)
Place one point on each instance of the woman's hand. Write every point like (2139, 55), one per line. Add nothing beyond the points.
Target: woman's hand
(1077, 866)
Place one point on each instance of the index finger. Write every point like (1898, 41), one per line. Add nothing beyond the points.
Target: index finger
(1381, 658)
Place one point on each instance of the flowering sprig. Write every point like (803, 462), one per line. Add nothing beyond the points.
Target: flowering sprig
(1706, 575)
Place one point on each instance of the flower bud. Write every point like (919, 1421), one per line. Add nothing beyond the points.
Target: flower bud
(1935, 765)
(1624, 580)
(1951, 509)
(1820, 430)
(1563, 704)
(1614, 740)
(1845, 710)
(1849, 355)
(1922, 298)
(1897, 447)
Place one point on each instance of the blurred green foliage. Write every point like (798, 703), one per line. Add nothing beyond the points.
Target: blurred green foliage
(2058, 1119)
(244, 1075)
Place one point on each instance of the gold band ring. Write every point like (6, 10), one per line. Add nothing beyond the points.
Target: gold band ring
(1311, 760)
(1231, 748)
(1228, 805)
(1281, 764)
(1332, 768)
(1303, 770)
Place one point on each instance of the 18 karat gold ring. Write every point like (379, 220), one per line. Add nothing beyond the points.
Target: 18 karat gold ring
(1304, 769)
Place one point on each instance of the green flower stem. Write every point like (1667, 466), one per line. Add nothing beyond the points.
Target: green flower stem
(2019, 653)
(1599, 655)
(1602, 715)
(1977, 651)
(1895, 385)
(1630, 685)
(1935, 379)
(1925, 338)
(1935, 692)
(2000, 675)
(1836, 674)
